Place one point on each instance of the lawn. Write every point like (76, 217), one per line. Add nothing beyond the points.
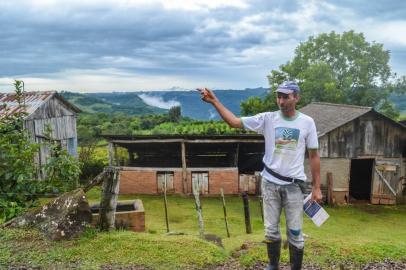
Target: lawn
(356, 234)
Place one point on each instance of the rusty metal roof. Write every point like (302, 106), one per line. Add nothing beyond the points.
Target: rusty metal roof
(32, 101)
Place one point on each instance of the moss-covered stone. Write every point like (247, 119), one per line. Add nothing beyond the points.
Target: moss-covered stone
(66, 217)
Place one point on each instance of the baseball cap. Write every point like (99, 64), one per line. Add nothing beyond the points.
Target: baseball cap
(288, 87)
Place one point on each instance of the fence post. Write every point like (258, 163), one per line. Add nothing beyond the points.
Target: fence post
(225, 212)
(248, 228)
(108, 202)
(196, 193)
(261, 207)
(330, 188)
(166, 206)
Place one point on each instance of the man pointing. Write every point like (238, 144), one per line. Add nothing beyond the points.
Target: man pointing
(288, 133)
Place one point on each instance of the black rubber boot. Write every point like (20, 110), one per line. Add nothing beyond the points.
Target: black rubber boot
(296, 257)
(274, 252)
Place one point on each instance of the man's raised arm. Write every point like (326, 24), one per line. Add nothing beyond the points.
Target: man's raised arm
(208, 96)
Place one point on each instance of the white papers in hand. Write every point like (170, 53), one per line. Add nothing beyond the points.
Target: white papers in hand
(314, 211)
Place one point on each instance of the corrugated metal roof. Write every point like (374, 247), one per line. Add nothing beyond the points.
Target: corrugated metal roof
(329, 116)
(32, 101)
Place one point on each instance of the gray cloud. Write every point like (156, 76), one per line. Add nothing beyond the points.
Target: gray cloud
(224, 46)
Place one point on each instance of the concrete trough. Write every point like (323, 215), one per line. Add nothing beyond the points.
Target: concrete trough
(130, 215)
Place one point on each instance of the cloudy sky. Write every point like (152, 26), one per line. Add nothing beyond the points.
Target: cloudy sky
(131, 45)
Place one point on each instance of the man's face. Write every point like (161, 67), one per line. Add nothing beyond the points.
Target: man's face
(286, 102)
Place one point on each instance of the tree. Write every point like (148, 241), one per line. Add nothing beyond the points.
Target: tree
(18, 188)
(339, 68)
(175, 114)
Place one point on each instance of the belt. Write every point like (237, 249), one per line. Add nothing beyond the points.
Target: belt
(281, 177)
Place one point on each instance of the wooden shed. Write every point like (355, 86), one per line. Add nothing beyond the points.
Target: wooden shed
(46, 109)
(363, 149)
(231, 162)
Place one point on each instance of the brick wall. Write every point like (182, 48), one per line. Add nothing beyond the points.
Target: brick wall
(177, 182)
(218, 178)
(227, 179)
(144, 181)
(138, 182)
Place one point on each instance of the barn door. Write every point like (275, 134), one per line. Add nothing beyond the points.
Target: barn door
(161, 178)
(248, 183)
(384, 187)
(201, 179)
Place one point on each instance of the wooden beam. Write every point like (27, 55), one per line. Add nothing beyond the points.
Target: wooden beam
(126, 168)
(237, 151)
(147, 141)
(115, 159)
(184, 172)
(225, 141)
(386, 168)
(385, 181)
(188, 141)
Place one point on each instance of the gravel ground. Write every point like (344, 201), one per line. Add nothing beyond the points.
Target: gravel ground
(391, 265)
(234, 265)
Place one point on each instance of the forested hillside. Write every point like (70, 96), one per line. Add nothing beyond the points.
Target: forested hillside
(127, 103)
(158, 102)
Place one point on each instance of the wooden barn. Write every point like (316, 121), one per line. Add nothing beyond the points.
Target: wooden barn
(46, 109)
(362, 150)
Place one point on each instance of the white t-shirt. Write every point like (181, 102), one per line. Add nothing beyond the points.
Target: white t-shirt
(286, 140)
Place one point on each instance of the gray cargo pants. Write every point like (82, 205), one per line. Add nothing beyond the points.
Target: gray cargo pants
(289, 197)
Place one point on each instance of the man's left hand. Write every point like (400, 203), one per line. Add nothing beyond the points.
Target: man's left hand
(316, 195)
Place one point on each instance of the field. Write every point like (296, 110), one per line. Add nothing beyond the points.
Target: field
(353, 235)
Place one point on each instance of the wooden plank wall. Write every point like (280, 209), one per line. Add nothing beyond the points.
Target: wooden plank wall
(369, 135)
(62, 121)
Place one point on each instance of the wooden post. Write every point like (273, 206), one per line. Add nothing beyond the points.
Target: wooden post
(184, 172)
(130, 157)
(237, 152)
(196, 193)
(166, 205)
(225, 212)
(108, 202)
(330, 200)
(116, 161)
(248, 228)
(111, 154)
(261, 207)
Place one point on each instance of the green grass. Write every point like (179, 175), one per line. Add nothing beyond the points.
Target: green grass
(356, 234)
(93, 250)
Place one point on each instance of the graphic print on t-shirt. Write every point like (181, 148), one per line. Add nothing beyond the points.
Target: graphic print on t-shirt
(286, 139)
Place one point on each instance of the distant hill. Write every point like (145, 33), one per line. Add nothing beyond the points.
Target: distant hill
(157, 102)
(193, 107)
(127, 103)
